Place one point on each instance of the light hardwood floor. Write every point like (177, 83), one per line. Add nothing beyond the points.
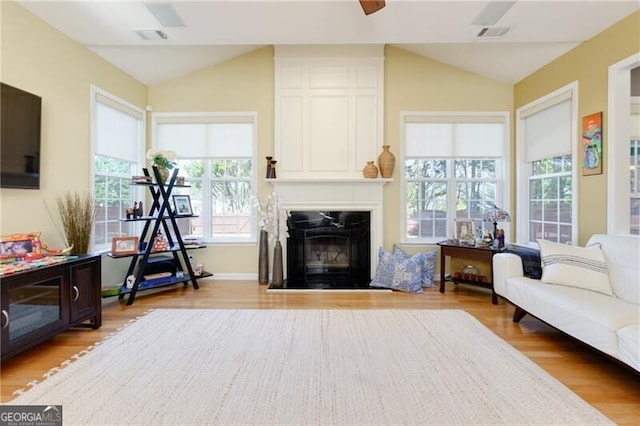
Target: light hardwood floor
(611, 388)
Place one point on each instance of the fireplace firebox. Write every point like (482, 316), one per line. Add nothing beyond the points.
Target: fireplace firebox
(329, 249)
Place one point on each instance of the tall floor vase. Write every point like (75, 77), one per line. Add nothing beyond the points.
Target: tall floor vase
(263, 258)
(278, 275)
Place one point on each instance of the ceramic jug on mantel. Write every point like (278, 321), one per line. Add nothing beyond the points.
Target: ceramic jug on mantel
(386, 162)
(370, 171)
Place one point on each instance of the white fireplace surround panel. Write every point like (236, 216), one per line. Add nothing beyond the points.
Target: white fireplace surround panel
(337, 195)
(328, 110)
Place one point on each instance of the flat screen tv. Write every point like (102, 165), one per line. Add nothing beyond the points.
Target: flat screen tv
(19, 138)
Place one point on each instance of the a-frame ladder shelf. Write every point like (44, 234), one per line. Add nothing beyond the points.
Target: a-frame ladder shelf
(161, 218)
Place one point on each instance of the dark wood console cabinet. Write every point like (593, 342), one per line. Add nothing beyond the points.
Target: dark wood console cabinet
(39, 303)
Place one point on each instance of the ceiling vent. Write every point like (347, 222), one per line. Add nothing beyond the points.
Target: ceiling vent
(152, 34)
(492, 32)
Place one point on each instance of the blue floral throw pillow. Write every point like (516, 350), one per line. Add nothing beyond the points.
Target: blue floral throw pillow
(398, 273)
(428, 260)
(407, 274)
(385, 270)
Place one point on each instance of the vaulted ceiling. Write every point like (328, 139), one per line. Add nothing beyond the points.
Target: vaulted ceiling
(158, 40)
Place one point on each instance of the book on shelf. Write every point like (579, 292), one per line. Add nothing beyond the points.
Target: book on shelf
(192, 241)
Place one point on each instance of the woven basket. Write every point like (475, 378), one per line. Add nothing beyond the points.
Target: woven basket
(370, 171)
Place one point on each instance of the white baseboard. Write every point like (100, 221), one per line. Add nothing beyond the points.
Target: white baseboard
(234, 277)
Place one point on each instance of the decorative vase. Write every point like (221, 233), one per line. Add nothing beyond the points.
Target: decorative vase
(387, 162)
(263, 258)
(370, 171)
(277, 278)
(163, 172)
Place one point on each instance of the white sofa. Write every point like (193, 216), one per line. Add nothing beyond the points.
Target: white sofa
(610, 324)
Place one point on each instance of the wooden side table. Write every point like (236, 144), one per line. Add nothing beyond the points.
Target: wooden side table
(471, 265)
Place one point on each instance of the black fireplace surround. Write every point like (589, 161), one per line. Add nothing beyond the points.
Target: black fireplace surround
(329, 250)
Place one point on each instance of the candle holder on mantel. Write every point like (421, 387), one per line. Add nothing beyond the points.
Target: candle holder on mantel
(272, 170)
(268, 174)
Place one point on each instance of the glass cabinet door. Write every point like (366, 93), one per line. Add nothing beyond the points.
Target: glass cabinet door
(33, 307)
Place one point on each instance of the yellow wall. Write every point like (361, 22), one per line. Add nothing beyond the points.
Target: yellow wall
(41, 60)
(588, 65)
(245, 83)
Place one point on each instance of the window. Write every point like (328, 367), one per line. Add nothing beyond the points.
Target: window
(547, 170)
(454, 167)
(550, 194)
(216, 155)
(118, 141)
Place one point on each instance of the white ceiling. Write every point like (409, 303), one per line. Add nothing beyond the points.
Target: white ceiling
(218, 30)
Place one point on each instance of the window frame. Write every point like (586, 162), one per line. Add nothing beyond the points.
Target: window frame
(108, 99)
(212, 118)
(503, 167)
(524, 170)
(618, 137)
(634, 138)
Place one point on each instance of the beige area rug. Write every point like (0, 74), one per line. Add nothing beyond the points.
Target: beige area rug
(183, 366)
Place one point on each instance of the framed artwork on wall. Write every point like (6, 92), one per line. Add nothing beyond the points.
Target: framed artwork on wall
(592, 144)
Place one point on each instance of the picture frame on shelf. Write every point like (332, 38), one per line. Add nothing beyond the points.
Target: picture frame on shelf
(121, 246)
(465, 231)
(182, 205)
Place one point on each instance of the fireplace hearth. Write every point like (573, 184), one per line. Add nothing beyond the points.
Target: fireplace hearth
(329, 250)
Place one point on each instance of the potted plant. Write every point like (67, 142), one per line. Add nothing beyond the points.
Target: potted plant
(164, 160)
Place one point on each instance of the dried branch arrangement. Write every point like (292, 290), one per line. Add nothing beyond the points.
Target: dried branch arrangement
(77, 214)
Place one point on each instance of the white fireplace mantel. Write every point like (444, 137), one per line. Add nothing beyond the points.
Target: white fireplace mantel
(337, 194)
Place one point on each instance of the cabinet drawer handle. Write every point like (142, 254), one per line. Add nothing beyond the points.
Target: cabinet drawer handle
(76, 293)
(5, 314)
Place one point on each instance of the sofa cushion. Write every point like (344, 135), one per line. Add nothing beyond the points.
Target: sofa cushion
(629, 345)
(586, 315)
(622, 253)
(581, 267)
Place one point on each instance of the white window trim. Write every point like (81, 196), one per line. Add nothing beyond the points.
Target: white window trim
(503, 186)
(216, 117)
(124, 106)
(523, 168)
(618, 136)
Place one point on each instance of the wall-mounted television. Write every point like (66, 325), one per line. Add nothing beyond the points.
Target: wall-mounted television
(20, 124)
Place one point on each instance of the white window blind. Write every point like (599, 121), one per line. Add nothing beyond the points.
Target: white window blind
(449, 138)
(207, 140)
(547, 131)
(635, 120)
(117, 130)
